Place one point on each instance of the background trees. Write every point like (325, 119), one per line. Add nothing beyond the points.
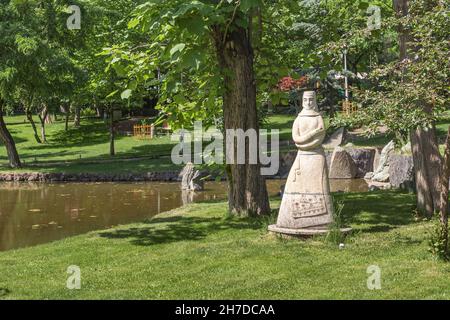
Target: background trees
(411, 92)
(207, 51)
(221, 61)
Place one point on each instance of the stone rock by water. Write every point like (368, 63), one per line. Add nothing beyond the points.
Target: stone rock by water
(363, 159)
(381, 174)
(335, 140)
(191, 179)
(342, 165)
(406, 149)
(401, 172)
(368, 175)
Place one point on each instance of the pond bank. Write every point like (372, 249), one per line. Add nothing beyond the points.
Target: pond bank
(155, 176)
(89, 177)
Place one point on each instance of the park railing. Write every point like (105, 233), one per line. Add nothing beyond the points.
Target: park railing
(349, 108)
(146, 131)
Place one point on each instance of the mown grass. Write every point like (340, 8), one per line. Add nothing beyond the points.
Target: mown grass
(86, 149)
(198, 252)
(90, 141)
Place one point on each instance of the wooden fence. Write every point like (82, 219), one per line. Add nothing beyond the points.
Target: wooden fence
(144, 131)
(349, 108)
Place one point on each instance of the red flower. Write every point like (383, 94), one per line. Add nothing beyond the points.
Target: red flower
(289, 83)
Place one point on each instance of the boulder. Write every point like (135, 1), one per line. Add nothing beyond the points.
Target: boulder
(368, 175)
(401, 172)
(406, 149)
(191, 179)
(335, 140)
(381, 174)
(363, 159)
(342, 165)
(376, 159)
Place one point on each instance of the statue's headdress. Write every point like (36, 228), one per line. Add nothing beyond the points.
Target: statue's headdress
(310, 112)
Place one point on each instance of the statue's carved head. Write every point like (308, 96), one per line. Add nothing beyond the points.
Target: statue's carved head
(310, 101)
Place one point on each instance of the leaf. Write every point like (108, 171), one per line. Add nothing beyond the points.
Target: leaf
(248, 4)
(126, 94)
(133, 23)
(112, 94)
(177, 48)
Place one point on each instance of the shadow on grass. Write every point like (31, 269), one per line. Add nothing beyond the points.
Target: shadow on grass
(179, 228)
(89, 133)
(4, 292)
(367, 212)
(17, 139)
(379, 211)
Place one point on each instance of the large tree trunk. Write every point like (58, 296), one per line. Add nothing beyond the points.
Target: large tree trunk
(427, 162)
(443, 208)
(426, 156)
(8, 141)
(112, 151)
(33, 125)
(247, 192)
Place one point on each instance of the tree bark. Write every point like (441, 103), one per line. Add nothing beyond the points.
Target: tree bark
(425, 204)
(247, 192)
(33, 125)
(112, 151)
(43, 119)
(66, 125)
(426, 156)
(100, 112)
(76, 120)
(8, 141)
(443, 208)
(65, 109)
(401, 9)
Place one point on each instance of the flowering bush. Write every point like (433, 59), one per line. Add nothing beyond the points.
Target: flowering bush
(289, 83)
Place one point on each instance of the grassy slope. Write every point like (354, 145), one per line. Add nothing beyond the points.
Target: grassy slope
(89, 143)
(198, 253)
(75, 150)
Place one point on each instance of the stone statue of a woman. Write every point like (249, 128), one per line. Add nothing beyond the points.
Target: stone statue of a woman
(307, 207)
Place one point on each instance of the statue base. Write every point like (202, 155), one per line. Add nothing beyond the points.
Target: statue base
(303, 233)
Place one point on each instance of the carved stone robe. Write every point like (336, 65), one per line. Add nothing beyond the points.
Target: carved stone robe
(306, 200)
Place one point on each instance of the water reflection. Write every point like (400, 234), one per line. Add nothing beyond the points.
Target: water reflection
(31, 214)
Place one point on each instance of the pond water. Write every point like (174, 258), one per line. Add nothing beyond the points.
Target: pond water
(32, 214)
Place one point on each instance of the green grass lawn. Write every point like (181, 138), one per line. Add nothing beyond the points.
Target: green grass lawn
(197, 252)
(90, 142)
(86, 149)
